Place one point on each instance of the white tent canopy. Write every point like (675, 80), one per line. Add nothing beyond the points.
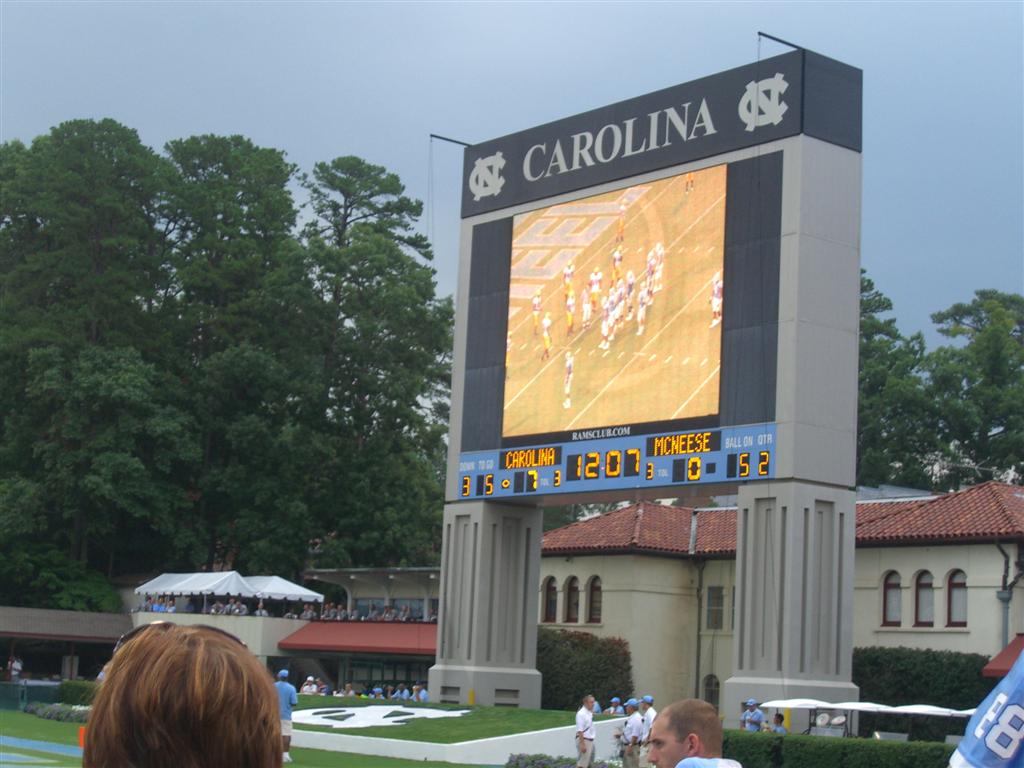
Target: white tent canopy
(276, 588)
(228, 584)
(867, 706)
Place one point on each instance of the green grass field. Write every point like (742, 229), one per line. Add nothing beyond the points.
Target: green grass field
(22, 726)
(479, 723)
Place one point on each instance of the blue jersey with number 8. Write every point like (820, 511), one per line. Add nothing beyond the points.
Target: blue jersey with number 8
(995, 734)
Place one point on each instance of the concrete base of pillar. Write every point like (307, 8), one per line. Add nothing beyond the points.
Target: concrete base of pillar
(487, 686)
(736, 690)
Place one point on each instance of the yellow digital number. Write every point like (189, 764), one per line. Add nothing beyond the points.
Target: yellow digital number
(613, 464)
(558, 477)
(693, 468)
(765, 458)
(579, 467)
(592, 469)
(465, 485)
(488, 485)
(744, 465)
(531, 478)
(650, 470)
(634, 454)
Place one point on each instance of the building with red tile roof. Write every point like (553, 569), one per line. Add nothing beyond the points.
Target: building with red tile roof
(930, 572)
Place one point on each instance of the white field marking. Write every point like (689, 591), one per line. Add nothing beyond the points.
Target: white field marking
(647, 201)
(652, 358)
(700, 292)
(686, 361)
(698, 389)
(525, 346)
(622, 353)
(668, 359)
(703, 362)
(342, 717)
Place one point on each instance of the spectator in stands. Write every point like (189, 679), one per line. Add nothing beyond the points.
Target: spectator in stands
(401, 693)
(405, 614)
(171, 605)
(289, 613)
(241, 609)
(322, 688)
(217, 608)
(389, 691)
(353, 615)
(374, 614)
(329, 612)
(190, 607)
(260, 610)
(378, 693)
(342, 614)
(615, 707)
(224, 711)
(419, 693)
(432, 617)
(308, 614)
(347, 691)
(147, 606)
(390, 614)
(309, 687)
(158, 606)
(14, 668)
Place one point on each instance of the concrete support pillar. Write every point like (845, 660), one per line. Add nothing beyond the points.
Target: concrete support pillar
(487, 627)
(794, 594)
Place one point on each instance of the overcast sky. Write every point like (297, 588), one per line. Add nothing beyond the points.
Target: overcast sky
(943, 211)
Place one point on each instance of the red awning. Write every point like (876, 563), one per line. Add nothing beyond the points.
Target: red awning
(1001, 663)
(379, 637)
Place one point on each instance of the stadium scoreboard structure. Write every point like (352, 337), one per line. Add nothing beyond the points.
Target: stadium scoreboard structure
(660, 299)
(620, 289)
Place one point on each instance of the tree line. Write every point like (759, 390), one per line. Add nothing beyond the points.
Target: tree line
(196, 370)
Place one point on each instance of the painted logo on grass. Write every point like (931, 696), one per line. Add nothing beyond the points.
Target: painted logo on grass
(369, 717)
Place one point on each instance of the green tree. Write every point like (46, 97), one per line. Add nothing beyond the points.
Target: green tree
(978, 386)
(896, 421)
(384, 346)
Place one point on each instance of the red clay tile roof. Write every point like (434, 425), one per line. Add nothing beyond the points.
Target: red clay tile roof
(981, 513)
(386, 637)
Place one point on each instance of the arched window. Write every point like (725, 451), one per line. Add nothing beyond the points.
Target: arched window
(711, 688)
(956, 599)
(891, 597)
(550, 600)
(924, 600)
(572, 600)
(594, 601)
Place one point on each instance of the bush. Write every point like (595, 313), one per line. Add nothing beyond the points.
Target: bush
(545, 761)
(76, 692)
(814, 751)
(753, 750)
(65, 713)
(577, 663)
(898, 676)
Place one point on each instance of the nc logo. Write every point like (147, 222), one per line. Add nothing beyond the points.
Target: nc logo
(486, 179)
(761, 104)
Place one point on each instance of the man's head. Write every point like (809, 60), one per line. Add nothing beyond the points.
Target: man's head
(282, 675)
(588, 702)
(778, 718)
(616, 701)
(631, 706)
(751, 703)
(687, 728)
(646, 702)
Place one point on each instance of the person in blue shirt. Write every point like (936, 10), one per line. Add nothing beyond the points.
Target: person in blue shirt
(777, 726)
(616, 706)
(752, 717)
(287, 698)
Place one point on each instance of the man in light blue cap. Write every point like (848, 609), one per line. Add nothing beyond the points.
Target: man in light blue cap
(631, 733)
(287, 698)
(648, 712)
(616, 706)
(752, 716)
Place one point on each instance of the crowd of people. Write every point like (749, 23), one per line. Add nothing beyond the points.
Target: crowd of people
(417, 692)
(236, 606)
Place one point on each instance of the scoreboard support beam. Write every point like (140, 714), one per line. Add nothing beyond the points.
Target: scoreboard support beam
(487, 627)
(794, 592)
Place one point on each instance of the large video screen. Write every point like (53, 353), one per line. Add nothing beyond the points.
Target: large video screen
(615, 308)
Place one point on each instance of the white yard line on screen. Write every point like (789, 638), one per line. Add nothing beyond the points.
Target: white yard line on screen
(698, 389)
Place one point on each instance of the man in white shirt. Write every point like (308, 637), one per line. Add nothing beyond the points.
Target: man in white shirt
(631, 735)
(585, 733)
(648, 712)
(688, 734)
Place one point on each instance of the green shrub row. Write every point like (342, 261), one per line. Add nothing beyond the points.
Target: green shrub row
(76, 691)
(765, 750)
(577, 663)
(897, 676)
(545, 761)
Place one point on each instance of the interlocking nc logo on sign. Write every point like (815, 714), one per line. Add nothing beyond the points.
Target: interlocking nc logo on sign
(761, 104)
(486, 179)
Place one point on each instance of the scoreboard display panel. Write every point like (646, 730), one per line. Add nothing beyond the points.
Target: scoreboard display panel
(618, 306)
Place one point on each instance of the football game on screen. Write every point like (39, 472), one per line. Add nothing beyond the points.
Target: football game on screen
(615, 308)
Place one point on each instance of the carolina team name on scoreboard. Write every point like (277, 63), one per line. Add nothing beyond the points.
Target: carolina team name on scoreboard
(728, 454)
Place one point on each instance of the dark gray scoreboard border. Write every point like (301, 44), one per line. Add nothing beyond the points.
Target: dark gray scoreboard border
(823, 99)
(753, 222)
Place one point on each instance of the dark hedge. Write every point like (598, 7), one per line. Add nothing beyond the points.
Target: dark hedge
(576, 663)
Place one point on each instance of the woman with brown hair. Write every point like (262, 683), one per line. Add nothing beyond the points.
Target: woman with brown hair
(183, 697)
